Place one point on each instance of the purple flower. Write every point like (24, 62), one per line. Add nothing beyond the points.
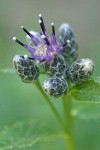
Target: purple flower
(45, 50)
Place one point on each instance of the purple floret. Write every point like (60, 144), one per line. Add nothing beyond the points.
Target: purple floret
(45, 50)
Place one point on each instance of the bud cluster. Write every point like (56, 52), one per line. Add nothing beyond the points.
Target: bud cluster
(57, 59)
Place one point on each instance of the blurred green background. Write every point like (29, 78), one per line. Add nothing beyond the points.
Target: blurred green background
(20, 101)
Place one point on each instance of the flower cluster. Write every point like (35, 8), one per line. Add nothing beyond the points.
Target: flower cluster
(57, 59)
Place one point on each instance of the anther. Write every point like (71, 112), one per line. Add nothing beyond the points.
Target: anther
(40, 16)
(25, 31)
(42, 26)
(17, 41)
(34, 38)
(47, 41)
(67, 43)
(53, 28)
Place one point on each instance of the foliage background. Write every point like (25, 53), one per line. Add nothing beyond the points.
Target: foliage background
(19, 101)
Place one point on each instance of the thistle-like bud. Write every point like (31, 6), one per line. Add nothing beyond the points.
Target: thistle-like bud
(70, 51)
(26, 68)
(66, 37)
(65, 33)
(56, 87)
(57, 68)
(29, 40)
(81, 70)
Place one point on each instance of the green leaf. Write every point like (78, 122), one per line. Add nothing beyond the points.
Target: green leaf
(86, 99)
(86, 111)
(26, 133)
(87, 92)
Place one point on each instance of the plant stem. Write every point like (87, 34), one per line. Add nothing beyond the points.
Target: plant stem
(69, 122)
(50, 104)
(69, 118)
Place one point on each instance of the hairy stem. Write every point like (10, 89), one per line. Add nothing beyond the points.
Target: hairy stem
(69, 122)
(50, 104)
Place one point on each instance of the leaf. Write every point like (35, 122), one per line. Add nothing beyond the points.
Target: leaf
(26, 134)
(86, 111)
(86, 97)
(87, 92)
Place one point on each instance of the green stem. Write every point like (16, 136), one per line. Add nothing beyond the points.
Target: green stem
(69, 118)
(50, 104)
(69, 122)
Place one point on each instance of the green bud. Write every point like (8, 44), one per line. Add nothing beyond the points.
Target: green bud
(56, 86)
(81, 70)
(26, 68)
(56, 68)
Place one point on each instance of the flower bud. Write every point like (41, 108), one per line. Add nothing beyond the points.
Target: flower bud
(81, 70)
(56, 68)
(66, 37)
(65, 33)
(56, 87)
(26, 68)
(70, 51)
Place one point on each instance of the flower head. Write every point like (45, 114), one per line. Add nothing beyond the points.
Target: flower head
(56, 59)
(45, 49)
